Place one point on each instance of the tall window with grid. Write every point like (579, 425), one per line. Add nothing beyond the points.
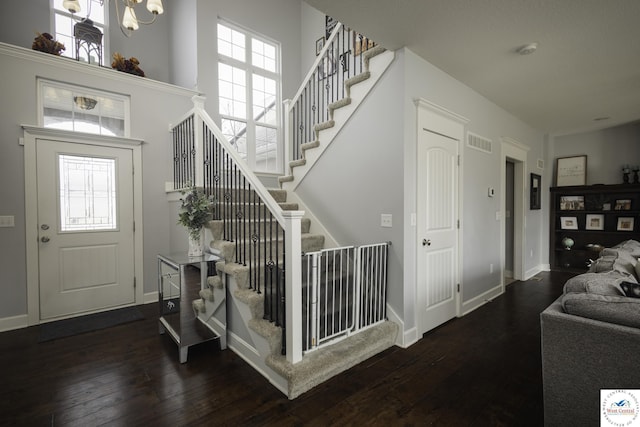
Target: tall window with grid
(249, 96)
(63, 22)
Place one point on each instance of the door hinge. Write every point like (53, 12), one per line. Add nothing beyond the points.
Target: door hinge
(458, 224)
(458, 159)
(134, 226)
(135, 284)
(458, 287)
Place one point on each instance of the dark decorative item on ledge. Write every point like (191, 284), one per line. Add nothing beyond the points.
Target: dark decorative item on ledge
(127, 65)
(45, 43)
(636, 169)
(625, 174)
(89, 38)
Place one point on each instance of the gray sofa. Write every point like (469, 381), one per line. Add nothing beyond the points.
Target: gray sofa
(591, 338)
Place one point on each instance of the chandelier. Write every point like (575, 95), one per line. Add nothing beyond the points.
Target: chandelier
(129, 22)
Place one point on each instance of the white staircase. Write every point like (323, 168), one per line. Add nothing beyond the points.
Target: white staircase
(259, 341)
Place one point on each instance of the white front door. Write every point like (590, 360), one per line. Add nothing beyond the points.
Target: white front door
(437, 229)
(85, 228)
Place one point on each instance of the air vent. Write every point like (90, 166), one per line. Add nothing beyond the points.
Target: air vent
(479, 143)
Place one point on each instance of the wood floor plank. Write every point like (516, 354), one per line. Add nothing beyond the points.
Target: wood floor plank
(481, 369)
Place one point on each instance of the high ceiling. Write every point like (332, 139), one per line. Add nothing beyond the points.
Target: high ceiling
(586, 67)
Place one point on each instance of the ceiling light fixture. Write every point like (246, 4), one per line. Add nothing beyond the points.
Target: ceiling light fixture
(129, 22)
(85, 102)
(527, 49)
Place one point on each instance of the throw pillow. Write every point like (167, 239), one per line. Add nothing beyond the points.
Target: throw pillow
(630, 289)
(637, 268)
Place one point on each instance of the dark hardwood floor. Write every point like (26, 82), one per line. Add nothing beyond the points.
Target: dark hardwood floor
(483, 370)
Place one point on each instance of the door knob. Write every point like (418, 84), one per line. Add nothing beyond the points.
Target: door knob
(44, 239)
(426, 242)
(44, 226)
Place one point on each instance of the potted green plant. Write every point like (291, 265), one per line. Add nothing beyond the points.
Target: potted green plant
(195, 213)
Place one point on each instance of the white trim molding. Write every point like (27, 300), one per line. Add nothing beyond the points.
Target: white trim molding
(31, 135)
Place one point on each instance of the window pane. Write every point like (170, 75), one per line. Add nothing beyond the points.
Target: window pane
(87, 193)
(231, 43)
(263, 55)
(81, 111)
(264, 100)
(236, 133)
(266, 149)
(232, 91)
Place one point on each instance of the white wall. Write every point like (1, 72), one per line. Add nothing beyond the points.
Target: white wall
(606, 150)
(278, 20)
(20, 21)
(480, 171)
(153, 106)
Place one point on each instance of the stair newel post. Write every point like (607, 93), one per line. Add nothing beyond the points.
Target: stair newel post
(293, 281)
(198, 104)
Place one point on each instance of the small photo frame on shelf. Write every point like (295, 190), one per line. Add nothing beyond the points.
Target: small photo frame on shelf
(571, 203)
(625, 223)
(606, 206)
(571, 171)
(569, 223)
(623, 205)
(594, 222)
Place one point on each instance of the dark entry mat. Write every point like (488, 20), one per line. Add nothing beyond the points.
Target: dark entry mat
(88, 323)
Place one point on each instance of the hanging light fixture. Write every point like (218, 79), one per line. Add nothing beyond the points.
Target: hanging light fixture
(129, 22)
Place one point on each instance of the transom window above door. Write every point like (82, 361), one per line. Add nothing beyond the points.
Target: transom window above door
(80, 109)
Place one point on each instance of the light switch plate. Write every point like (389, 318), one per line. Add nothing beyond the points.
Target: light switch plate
(7, 221)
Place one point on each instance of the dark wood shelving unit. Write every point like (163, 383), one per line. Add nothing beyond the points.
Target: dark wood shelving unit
(565, 203)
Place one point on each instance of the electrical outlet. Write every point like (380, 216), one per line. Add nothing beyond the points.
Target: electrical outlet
(386, 220)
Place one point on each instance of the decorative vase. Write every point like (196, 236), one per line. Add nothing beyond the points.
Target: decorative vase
(196, 243)
(568, 243)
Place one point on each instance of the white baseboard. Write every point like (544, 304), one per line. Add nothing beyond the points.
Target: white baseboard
(405, 338)
(14, 322)
(480, 300)
(533, 271)
(150, 297)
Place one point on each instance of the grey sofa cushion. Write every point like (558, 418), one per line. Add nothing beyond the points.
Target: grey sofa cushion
(598, 283)
(617, 309)
(630, 246)
(618, 259)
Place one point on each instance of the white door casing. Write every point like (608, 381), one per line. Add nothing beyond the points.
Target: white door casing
(515, 152)
(86, 228)
(438, 237)
(33, 136)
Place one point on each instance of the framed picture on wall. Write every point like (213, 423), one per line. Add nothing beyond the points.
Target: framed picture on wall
(571, 171)
(535, 192)
(319, 45)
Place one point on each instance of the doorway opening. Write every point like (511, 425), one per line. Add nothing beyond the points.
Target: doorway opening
(514, 153)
